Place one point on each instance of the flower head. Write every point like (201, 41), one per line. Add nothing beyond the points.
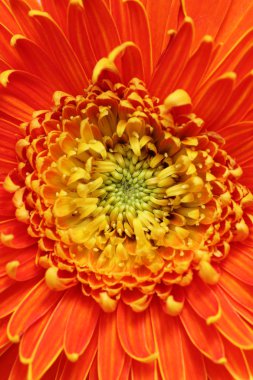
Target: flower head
(126, 197)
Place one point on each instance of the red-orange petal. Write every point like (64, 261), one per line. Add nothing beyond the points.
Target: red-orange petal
(172, 61)
(50, 343)
(34, 305)
(140, 33)
(101, 27)
(203, 300)
(239, 265)
(193, 359)
(79, 332)
(205, 338)
(111, 355)
(135, 333)
(80, 369)
(11, 297)
(144, 371)
(231, 325)
(236, 363)
(238, 290)
(168, 342)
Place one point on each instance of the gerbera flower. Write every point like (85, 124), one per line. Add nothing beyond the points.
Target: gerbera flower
(126, 197)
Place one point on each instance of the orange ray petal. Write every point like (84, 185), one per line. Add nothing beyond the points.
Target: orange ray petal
(135, 333)
(244, 312)
(241, 292)
(10, 254)
(18, 371)
(172, 61)
(140, 33)
(58, 47)
(3, 335)
(50, 343)
(6, 17)
(22, 94)
(78, 332)
(24, 270)
(80, 369)
(14, 234)
(239, 265)
(217, 371)
(231, 325)
(11, 297)
(239, 103)
(6, 361)
(79, 34)
(204, 337)
(9, 54)
(31, 337)
(193, 359)
(101, 27)
(209, 102)
(126, 368)
(236, 363)
(168, 341)
(203, 300)
(109, 366)
(57, 9)
(144, 371)
(93, 375)
(38, 301)
(5, 283)
(196, 66)
(204, 20)
(167, 14)
(38, 62)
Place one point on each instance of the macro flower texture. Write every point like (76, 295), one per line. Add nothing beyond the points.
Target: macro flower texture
(126, 198)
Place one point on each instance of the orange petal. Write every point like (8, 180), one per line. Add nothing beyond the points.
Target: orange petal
(109, 366)
(93, 375)
(243, 156)
(6, 17)
(239, 103)
(101, 27)
(80, 369)
(19, 370)
(245, 313)
(79, 34)
(31, 337)
(38, 62)
(231, 325)
(140, 33)
(22, 94)
(241, 292)
(36, 303)
(58, 47)
(193, 359)
(172, 61)
(206, 338)
(239, 265)
(8, 54)
(214, 98)
(135, 333)
(167, 14)
(217, 371)
(144, 371)
(3, 335)
(206, 22)
(78, 332)
(236, 363)
(14, 234)
(11, 297)
(168, 341)
(50, 343)
(196, 66)
(57, 9)
(7, 359)
(203, 300)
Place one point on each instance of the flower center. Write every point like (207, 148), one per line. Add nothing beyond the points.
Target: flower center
(122, 192)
